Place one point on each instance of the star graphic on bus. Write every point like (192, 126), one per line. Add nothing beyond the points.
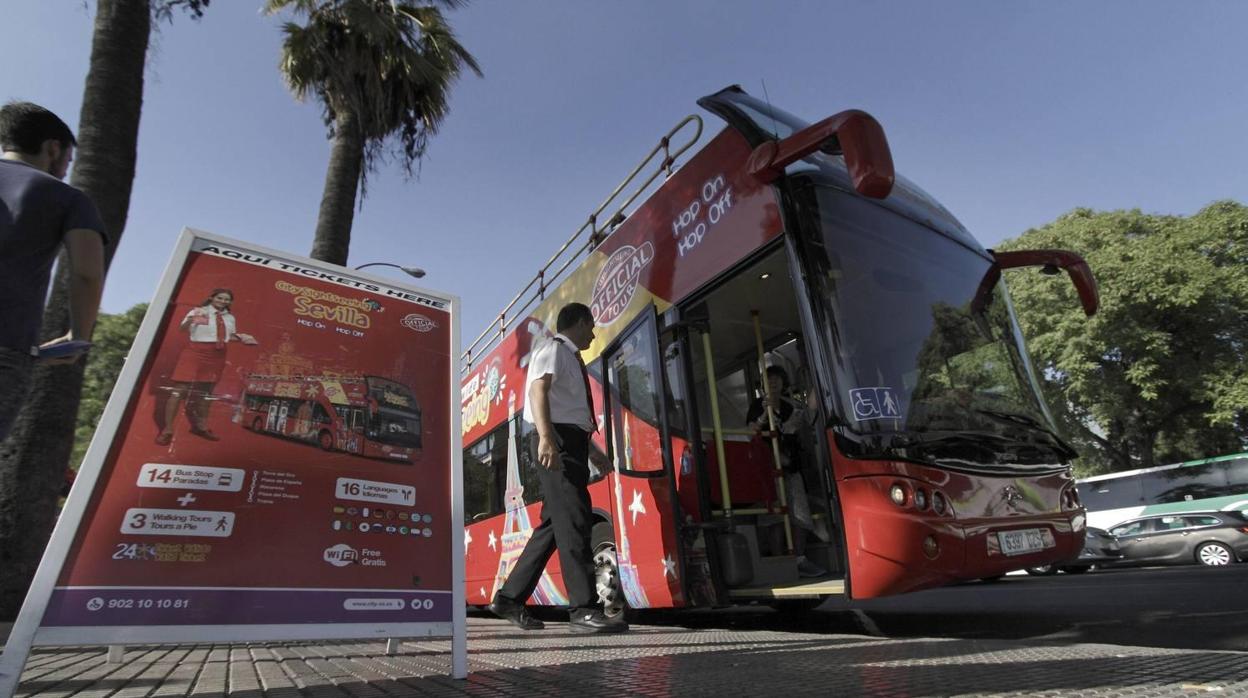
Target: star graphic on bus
(493, 540)
(669, 566)
(467, 540)
(637, 507)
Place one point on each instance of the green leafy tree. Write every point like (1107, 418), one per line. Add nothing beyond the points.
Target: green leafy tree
(34, 458)
(382, 70)
(1158, 375)
(113, 336)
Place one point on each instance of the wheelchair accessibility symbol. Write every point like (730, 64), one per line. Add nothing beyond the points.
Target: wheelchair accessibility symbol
(874, 403)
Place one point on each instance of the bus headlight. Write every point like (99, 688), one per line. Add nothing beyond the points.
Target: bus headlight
(898, 495)
(938, 503)
(920, 498)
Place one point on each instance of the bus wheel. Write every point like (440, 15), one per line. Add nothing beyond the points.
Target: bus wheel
(607, 571)
(327, 440)
(1214, 554)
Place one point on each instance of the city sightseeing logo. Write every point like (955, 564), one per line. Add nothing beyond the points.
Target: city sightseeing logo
(418, 322)
(327, 305)
(341, 555)
(617, 282)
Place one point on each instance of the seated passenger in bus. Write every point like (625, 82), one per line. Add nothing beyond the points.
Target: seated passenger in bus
(791, 419)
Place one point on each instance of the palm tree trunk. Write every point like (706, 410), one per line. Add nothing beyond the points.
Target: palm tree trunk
(34, 458)
(333, 224)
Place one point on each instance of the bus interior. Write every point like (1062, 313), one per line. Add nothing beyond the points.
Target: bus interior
(771, 508)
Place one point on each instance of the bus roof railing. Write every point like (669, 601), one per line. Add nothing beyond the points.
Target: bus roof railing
(535, 291)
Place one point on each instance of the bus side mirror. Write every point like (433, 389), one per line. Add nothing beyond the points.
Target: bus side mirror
(1050, 262)
(853, 133)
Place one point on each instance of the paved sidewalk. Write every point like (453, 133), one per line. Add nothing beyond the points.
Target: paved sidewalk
(649, 661)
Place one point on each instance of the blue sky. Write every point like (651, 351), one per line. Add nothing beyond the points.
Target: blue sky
(1009, 113)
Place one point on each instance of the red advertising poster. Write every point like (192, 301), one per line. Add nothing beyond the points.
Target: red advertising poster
(287, 456)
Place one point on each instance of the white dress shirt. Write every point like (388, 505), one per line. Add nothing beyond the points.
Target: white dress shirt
(208, 333)
(566, 398)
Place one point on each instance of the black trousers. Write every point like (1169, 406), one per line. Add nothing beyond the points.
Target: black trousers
(566, 524)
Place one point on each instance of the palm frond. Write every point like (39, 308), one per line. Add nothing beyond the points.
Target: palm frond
(391, 64)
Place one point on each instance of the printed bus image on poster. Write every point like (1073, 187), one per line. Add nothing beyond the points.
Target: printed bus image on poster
(285, 457)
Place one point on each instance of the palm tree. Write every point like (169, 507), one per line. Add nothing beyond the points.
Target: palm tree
(34, 458)
(379, 68)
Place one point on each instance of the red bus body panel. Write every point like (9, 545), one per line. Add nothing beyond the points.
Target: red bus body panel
(885, 541)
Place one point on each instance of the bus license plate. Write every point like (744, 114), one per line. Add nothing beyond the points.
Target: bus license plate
(1028, 540)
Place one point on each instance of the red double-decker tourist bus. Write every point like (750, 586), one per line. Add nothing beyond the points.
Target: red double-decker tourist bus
(371, 416)
(906, 444)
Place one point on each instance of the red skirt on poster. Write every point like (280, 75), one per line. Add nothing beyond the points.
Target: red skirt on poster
(199, 362)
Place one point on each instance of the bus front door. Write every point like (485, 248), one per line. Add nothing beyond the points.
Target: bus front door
(645, 510)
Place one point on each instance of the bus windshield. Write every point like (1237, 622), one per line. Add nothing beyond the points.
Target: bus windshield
(922, 369)
(397, 428)
(396, 415)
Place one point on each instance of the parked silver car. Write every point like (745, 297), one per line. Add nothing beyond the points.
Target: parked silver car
(1205, 537)
(1100, 547)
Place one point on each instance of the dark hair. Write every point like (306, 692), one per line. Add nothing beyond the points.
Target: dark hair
(779, 371)
(215, 291)
(572, 314)
(25, 126)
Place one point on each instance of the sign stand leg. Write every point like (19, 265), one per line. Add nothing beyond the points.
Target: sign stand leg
(11, 664)
(392, 646)
(116, 654)
(459, 633)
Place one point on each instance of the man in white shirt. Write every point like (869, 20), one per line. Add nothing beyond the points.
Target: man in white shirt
(558, 404)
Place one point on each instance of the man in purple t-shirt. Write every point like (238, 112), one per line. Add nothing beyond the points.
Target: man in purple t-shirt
(40, 214)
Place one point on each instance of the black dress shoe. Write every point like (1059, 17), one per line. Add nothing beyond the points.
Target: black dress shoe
(205, 434)
(595, 622)
(514, 613)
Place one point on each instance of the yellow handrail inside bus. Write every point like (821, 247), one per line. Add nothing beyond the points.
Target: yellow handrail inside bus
(781, 495)
(497, 329)
(724, 492)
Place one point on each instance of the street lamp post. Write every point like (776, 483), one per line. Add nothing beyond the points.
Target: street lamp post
(414, 272)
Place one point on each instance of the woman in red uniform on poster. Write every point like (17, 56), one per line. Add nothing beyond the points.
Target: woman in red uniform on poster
(211, 327)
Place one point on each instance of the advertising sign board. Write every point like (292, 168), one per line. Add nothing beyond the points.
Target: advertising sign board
(280, 460)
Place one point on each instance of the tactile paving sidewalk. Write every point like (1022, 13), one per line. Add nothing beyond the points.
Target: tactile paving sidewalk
(648, 661)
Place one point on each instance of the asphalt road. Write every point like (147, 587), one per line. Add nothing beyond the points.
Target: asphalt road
(1189, 607)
